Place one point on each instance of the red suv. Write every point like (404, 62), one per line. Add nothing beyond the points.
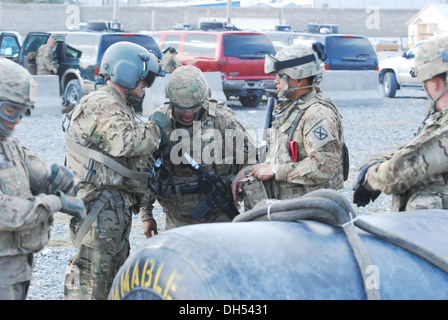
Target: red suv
(238, 55)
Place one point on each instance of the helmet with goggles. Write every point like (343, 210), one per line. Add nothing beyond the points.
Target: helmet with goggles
(127, 63)
(18, 90)
(187, 87)
(298, 61)
(431, 58)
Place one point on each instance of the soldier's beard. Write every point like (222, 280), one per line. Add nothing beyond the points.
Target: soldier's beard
(133, 100)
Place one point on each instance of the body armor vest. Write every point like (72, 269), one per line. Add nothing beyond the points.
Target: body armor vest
(14, 181)
(285, 132)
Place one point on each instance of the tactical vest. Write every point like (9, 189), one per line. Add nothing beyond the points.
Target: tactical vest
(14, 181)
(95, 167)
(282, 190)
(183, 178)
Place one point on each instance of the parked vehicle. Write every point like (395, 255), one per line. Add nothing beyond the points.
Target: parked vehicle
(67, 57)
(79, 55)
(394, 73)
(344, 51)
(10, 43)
(280, 39)
(238, 55)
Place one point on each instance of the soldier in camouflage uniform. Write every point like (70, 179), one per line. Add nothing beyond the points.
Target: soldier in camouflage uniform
(29, 193)
(108, 151)
(305, 144)
(206, 127)
(416, 174)
(170, 61)
(45, 58)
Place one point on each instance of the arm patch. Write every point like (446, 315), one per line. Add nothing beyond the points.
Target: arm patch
(320, 134)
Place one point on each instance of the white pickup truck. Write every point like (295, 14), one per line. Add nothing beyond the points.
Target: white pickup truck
(395, 72)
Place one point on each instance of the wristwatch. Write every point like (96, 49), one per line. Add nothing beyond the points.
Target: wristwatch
(274, 169)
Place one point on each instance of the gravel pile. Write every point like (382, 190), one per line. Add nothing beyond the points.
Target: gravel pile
(370, 131)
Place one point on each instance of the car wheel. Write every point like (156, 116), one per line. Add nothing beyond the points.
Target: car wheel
(73, 92)
(251, 101)
(389, 85)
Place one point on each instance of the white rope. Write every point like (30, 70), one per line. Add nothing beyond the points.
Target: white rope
(350, 221)
(270, 202)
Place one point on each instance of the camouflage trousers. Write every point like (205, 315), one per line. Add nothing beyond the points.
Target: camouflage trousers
(102, 252)
(17, 291)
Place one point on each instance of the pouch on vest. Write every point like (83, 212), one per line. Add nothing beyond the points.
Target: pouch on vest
(254, 192)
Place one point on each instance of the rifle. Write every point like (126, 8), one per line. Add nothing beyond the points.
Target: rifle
(267, 124)
(215, 197)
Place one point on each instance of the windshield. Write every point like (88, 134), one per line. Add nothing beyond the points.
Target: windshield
(247, 46)
(349, 47)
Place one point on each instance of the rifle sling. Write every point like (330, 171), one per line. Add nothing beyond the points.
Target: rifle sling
(107, 161)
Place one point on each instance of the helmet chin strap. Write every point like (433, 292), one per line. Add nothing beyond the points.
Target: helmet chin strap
(289, 90)
(434, 101)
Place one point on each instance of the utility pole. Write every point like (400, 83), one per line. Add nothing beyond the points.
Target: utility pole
(229, 10)
(115, 14)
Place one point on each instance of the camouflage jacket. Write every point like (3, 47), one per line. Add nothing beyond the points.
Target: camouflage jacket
(25, 212)
(319, 138)
(45, 60)
(210, 142)
(104, 123)
(417, 173)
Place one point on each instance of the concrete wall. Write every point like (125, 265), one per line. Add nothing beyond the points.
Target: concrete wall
(50, 17)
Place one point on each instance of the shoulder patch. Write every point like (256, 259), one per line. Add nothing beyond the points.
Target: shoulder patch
(320, 134)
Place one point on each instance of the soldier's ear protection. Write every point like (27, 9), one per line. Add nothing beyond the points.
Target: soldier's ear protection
(125, 74)
(319, 48)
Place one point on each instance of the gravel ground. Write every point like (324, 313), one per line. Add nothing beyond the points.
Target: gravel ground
(369, 131)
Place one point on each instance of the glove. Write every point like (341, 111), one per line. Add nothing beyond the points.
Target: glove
(61, 179)
(362, 196)
(164, 124)
(72, 206)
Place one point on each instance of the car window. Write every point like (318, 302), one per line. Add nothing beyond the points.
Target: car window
(247, 46)
(10, 46)
(349, 47)
(300, 38)
(200, 45)
(34, 43)
(171, 40)
(85, 43)
(72, 53)
(278, 37)
(411, 53)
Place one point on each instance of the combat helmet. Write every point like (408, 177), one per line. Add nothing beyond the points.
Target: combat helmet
(297, 61)
(17, 88)
(127, 63)
(431, 58)
(187, 87)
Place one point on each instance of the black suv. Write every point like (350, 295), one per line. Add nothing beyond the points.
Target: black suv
(79, 55)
